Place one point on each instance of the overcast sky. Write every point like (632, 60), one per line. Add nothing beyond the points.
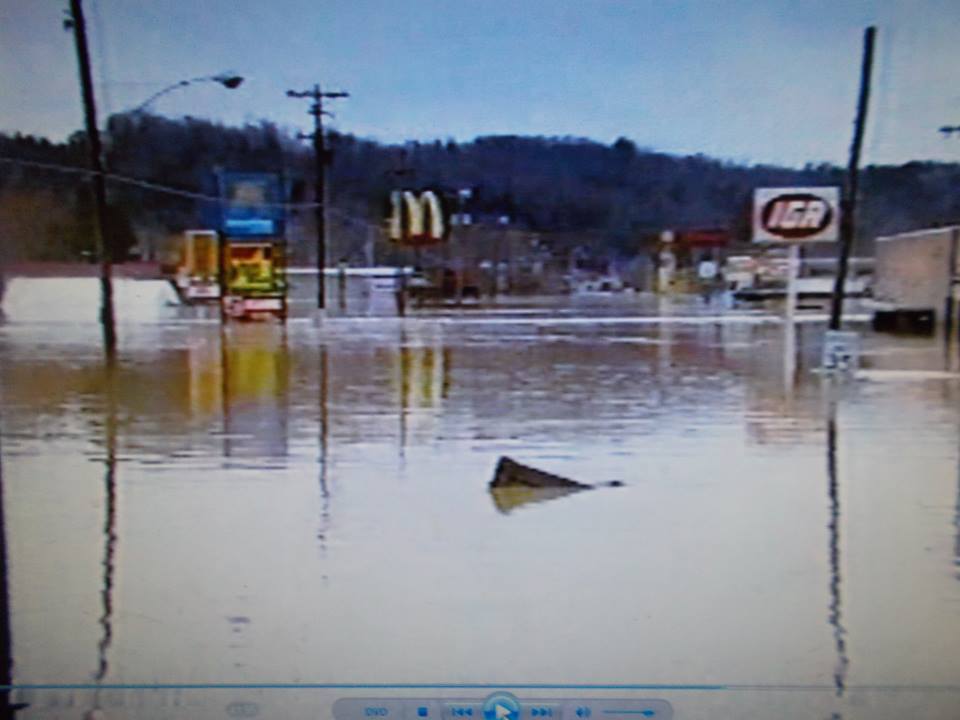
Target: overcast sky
(747, 81)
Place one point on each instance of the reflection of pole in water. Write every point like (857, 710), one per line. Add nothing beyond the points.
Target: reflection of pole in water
(791, 337)
(225, 390)
(7, 709)
(109, 526)
(109, 534)
(279, 445)
(6, 654)
(956, 523)
(447, 356)
(404, 389)
(324, 436)
(789, 319)
(839, 632)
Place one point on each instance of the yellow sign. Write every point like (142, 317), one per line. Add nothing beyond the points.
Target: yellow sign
(200, 254)
(254, 269)
(417, 219)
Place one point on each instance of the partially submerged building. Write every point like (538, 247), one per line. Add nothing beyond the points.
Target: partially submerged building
(919, 271)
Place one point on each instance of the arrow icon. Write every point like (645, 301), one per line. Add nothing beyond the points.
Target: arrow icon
(501, 706)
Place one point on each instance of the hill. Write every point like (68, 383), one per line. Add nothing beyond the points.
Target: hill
(619, 194)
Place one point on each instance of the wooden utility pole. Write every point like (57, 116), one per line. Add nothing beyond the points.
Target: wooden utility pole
(104, 245)
(321, 160)
(848, 205)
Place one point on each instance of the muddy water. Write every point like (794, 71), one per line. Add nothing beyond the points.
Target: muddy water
(311, 505)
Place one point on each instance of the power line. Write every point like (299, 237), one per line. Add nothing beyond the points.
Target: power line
(167, 190)
(145, 184)
(46, 166)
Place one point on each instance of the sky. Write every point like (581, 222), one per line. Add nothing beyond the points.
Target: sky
(752, 82)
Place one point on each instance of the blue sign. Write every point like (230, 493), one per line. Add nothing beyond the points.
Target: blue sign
(251, 226)
(251, 204)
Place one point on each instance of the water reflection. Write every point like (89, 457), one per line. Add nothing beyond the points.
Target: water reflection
(324, 456)
(693, 417)
(833, 492)
(7, 709)
(789, 355)
(507, 499)
(956, 523)
(404, 357)
(109, 523)
(255, 369)
(422, 379)
(105, 620)
(446, 355)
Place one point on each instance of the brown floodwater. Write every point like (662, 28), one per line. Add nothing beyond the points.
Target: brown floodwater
(310, 504)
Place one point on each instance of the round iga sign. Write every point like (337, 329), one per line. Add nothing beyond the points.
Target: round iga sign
(796, 214)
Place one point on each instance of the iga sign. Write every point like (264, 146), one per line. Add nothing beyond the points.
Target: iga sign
(806, 214)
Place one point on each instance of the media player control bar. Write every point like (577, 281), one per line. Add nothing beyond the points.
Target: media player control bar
(493, 708)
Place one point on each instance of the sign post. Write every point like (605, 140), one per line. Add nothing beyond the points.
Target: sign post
(795, 217)
(416, 220)
(790, 341)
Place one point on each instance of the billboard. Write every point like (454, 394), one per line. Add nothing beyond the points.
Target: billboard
(417, 219)
(251, 204)
(796, 215)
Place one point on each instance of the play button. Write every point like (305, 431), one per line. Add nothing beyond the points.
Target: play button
(501, 706)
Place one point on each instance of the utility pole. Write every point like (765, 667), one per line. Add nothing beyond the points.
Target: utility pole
(104, 244)
(398, 172)
(321, 160)
(849, 203)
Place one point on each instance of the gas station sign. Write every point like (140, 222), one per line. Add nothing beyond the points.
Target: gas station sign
(251, 204)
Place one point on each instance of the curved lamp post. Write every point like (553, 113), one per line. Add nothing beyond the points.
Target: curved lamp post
(228, 81)
(76, 22)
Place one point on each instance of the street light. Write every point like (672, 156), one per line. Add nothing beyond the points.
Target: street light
(75, 22)
(227, 80)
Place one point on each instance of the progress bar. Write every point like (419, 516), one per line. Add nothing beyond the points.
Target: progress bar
(786, 687)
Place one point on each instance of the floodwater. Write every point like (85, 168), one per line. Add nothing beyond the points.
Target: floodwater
(310, 504)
